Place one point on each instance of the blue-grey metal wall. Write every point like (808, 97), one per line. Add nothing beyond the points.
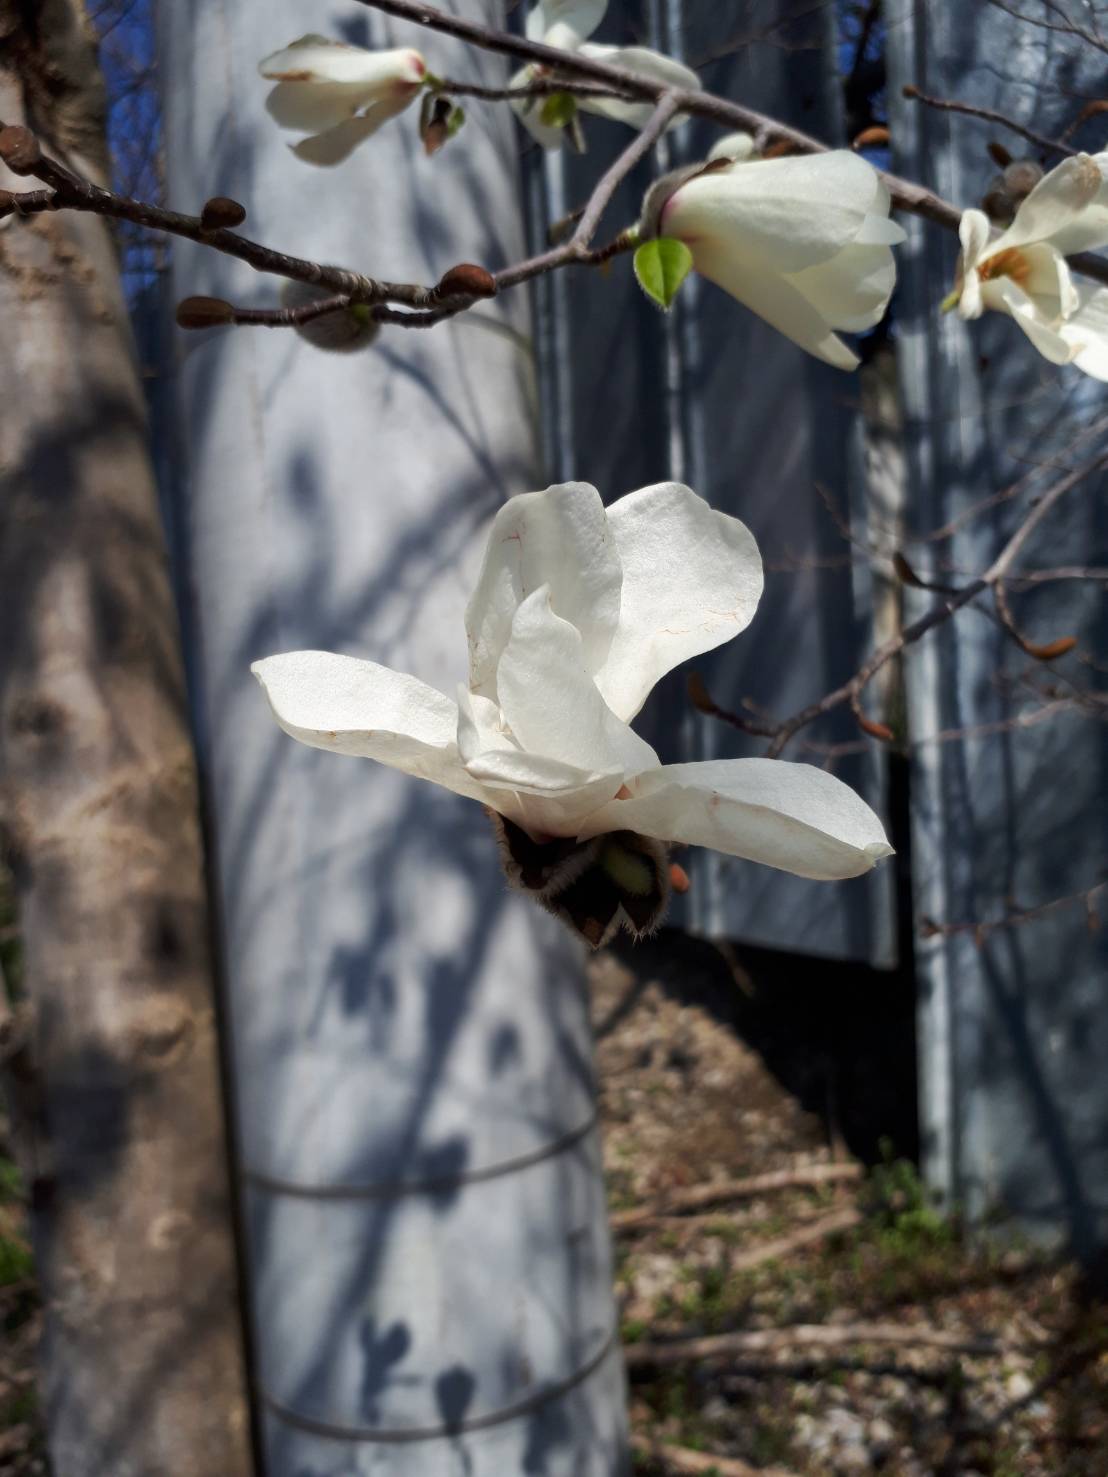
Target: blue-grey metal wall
(1014, 1030)
(714, 397)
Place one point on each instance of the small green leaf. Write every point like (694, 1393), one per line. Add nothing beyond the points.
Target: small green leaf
(454, 122)
(661, 265)
(559, 110)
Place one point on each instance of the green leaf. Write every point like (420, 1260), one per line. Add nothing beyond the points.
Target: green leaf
(559, 110)
(454, 122)
(661, 265)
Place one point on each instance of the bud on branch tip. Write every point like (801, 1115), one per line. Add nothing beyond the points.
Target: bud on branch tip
(19, 149)
(220, 212)
(204, 312)
(466, 279)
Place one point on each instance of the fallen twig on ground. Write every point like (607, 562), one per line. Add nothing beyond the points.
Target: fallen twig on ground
(696, 1196)
(681, 1459)
(824, 1335)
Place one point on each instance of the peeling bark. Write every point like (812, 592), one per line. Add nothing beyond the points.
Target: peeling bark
(118, 1094)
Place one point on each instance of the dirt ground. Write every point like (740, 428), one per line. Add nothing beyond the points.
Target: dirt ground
(934, 1353)
(866, 1332)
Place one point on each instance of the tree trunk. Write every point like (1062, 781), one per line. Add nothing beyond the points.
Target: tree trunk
(119, 1091)
(428, 1239)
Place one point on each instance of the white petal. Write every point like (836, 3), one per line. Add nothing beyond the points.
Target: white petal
(545, 796)
(692, 579)
(1086, 332)
(791, 816)
(974, 230)
(852, 290)
(778, 214)
(737, 147)
(971, 304)
(1046, 280)
(313, 59)
(314, 107)
(1055, 205)
(1089, 232)
(550, 702)
(879, 230)
(558, 538)
(338, 143)
(356, 707)
(775, 299)
(529, 112)
(1007, 296)
(570, 21)
(650, 64)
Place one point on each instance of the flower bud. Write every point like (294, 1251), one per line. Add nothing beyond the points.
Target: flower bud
(1021, 177)
(204, 312)
(339, 332)
(19, 149)
(466, 279)
(220, 212)
(997, 202)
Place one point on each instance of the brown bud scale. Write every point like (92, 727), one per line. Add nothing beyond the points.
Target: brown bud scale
(19, 149)
(220, 212)
(466, 279)
(204, 312)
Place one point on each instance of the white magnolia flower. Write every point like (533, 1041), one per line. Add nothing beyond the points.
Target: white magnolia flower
(338, 94)
(566, 24)
(802, 241)
(578, 612)
(1022, 271)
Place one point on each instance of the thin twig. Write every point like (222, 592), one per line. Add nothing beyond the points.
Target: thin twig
(537, 87)
(929, 928)
(609, 181)
(990, 115)
(696, 1197)
(682, 1460)
(851, 690)
(1067, 26)
(818, 1335)
(913, 198)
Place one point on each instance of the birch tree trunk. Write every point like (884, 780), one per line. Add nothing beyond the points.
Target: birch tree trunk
(427, 1224)
(119, 1098)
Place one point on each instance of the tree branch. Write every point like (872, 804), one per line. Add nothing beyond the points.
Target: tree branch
(851, 691)
(570, 66)
(949, 105)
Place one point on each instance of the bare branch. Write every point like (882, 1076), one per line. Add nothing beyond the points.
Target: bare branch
(816, 1335)
(851, 691)
(1066, 24)
(949, 105)
(980, 931)
(570, 66)
(695, 1197)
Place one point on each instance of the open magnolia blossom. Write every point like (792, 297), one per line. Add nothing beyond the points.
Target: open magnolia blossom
(338, 94)
(802, 241)
(1022, 271)
(578, 612)
(566, 24)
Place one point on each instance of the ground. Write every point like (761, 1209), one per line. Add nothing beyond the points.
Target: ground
(716, 1067)
(686, 1100)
